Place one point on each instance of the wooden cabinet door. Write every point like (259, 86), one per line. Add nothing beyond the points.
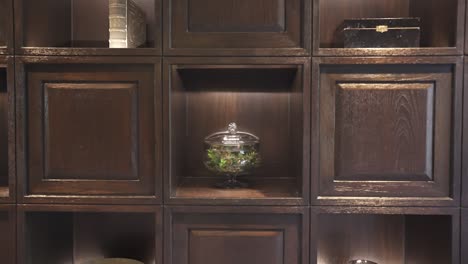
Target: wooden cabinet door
(7, 131)
(388, 130)
(90, 129)
(8, 233)
(237, 27)
(252, 235)
(465, 140)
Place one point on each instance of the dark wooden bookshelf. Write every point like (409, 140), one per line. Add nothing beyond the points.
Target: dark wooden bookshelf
(101, 150)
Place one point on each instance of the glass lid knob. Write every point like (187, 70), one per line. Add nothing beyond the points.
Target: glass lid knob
(232, 128)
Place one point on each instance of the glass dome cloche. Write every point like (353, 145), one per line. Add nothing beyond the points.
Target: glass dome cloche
(232, 153)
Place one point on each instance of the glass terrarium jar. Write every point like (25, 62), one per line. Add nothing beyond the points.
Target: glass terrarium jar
(232, 153)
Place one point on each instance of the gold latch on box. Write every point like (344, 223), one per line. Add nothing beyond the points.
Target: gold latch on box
(381, 28)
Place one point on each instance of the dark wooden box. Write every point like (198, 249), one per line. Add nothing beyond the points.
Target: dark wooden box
(381, 33)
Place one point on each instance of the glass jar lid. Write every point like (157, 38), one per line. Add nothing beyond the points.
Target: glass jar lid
(232, 137)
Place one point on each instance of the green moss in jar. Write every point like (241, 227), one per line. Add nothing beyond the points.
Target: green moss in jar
(232, 160)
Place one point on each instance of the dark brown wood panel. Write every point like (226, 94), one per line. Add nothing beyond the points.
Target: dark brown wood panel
(78, 234)
(442, 25)
(236, 235)
(223, 246)
(240, 27)
(7, 131)
(465, 139)
(399, 115)
(91, 128)
(8, 231)
(79, 27)
(89, 23)
(271, 101)
(50, 234)
(385, 235)
(236, 16)
(418, 239)
(42, 28)
(439, 22)
(105, 117)
(386, 129)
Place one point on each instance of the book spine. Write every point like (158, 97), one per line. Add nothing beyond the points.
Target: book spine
(136, 25)
(118, 24)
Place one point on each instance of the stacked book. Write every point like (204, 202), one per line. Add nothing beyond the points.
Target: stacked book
(127, 24)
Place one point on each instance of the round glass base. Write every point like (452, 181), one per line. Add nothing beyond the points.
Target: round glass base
(231, 183)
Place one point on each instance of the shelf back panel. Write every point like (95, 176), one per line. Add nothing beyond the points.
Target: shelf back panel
(265, 102)
(388, 239)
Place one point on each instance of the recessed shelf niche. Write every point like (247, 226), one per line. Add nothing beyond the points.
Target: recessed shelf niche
(4, 155)
(269, 101)
(6, 27)
(386, 238)
(441, 24)
(3, 22)
(59, 236)
(77, 24)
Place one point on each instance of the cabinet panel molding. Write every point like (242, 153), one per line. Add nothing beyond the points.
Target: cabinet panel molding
(91, 130)
(7, 131)
(231, 235)
(387, 129)
(237, 27)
